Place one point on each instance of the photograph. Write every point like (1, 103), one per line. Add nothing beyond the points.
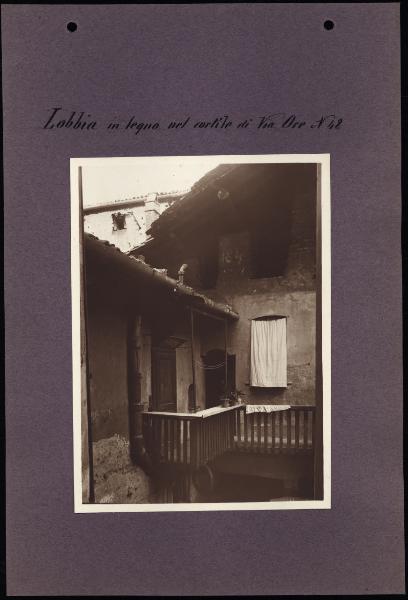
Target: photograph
(203, 300)
(201, 332)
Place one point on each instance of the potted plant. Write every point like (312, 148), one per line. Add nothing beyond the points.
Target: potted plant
(225, 400)
(236, 397)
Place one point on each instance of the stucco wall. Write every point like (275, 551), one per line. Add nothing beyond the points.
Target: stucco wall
(199, 374)
(101, 225)
(117, 480)
(146, 365)
(185, 375)
(291, 294)
(108, 370)
(299, 308)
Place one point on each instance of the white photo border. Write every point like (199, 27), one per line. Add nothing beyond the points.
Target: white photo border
(325, 199)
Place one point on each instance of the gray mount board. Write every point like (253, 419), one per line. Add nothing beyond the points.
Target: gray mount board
(163, 62)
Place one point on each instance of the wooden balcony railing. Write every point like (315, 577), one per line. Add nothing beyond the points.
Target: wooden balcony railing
(190, 439)
(194, 439)
(281, 431)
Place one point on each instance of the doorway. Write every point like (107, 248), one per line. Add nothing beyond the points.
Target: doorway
(164, 387)
(214, 362)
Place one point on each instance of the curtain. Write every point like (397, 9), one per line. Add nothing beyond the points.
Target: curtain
(268, 353)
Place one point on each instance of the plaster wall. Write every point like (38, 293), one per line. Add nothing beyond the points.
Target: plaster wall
(117, 480)
(108, 371)
(291, 294)
(146, 365)
(137, 221)
(299, 308)
(101, 225)
(184, 375)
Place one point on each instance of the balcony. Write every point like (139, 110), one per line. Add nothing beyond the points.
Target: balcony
(192, 440)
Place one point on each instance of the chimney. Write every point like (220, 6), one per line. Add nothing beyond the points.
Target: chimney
(152, 210)
(189, 273)
(181, 272)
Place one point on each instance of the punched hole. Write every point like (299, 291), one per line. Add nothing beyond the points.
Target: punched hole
(71, 26)
(328, 25)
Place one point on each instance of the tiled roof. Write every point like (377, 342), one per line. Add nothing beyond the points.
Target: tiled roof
(133, 201)
(142, 268)
(186, 201)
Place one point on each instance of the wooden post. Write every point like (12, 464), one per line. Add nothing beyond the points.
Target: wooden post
(138, 451)
(134, 385)
(318, 421)
(86, 422)
(193, 360)
(226, 355)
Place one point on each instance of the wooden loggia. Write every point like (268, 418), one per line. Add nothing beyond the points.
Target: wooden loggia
(191, 440)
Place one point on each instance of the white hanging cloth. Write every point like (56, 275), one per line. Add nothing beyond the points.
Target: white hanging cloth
(268, 353)
(265, 408)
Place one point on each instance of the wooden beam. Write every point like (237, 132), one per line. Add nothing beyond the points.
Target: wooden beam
(226, 354)
(134, 347)
(207, 314)
(193, 360)
(86, 427)
(318, 417)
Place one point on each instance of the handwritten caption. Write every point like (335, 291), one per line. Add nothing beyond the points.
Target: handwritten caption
(60, 118)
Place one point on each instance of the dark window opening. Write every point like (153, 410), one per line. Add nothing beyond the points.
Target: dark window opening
(119, 221)
(208, 267)
(191, 398)
(270, 244)
(163, 378)
(215, 385)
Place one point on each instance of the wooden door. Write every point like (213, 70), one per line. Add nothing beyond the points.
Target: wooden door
(164, 389)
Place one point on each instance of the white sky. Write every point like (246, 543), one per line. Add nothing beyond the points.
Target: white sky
(115, 179)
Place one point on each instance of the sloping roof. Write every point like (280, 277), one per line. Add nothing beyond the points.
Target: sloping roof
(134, 201)
(137, 268)
(185, 202)
(212, 176)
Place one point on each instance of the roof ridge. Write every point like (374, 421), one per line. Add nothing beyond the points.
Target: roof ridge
(120, 201)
